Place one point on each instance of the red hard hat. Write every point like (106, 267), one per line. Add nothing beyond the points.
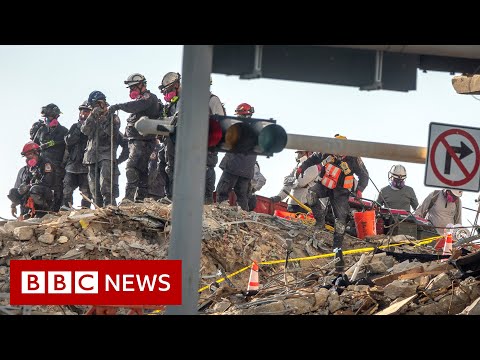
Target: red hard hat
(244, 109)
(29, 146)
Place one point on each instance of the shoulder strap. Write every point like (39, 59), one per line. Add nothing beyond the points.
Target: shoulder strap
(434, 199)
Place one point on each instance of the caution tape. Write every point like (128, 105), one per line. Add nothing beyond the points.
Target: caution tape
(322, 256)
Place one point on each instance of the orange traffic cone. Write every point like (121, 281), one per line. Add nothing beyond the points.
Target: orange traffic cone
(252, 288)
(447, 248)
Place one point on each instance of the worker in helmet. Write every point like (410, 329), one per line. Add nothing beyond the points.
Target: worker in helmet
(336, 182)
(442, 207)
(397, 195)
(298, 187)
(144, 103)
(238, 169)
(171, 90)
(215, 107)
(51, 138)
(99, 157)
(76, 173)
(34, 184)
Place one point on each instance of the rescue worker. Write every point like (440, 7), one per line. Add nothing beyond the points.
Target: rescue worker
(51, 138)
(157, 178)
(76, 172)
(144, 103)
(442, 207)
(336, 182)
(397, 195)
(98, 155)
(255, 185)
(33, 189)
(238, 169)
(215, 107)
(298, 187)
(171, 89)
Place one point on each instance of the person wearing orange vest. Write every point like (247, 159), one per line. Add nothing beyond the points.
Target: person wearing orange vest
(336, 182)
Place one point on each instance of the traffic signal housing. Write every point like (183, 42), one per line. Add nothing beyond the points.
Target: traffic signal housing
(227, 133)
(245, 135)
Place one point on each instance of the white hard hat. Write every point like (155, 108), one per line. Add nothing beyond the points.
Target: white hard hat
(457, 193)
(398, 171)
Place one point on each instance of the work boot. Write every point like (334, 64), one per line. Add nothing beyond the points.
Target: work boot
(340, 264)
(337, 249)
(130, 194)
(319, 215)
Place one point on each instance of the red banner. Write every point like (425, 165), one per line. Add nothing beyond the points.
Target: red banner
(95, 282)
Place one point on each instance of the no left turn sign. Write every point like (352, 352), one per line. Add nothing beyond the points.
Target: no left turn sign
(453, 159)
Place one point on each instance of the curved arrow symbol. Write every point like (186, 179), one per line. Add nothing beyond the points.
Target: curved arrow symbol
(463, 150)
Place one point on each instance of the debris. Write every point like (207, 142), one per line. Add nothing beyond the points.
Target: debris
(293, 258)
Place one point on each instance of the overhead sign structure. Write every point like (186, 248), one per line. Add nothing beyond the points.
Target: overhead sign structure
(453, 158)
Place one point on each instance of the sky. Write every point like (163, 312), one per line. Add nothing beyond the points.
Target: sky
(33, 76)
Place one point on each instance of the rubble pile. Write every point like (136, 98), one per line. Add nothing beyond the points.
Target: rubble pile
(399, 277)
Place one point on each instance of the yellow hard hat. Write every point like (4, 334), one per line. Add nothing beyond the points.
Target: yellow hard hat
(338, 136)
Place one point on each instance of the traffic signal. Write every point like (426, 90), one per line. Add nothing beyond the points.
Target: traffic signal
(165, 126)
(245, 135)
(227, 133)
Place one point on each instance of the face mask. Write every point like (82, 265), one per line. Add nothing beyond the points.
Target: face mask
(451, 198)
(32, 162)
(169, 96)
(52, 123)
(398, 183)
(134, 94)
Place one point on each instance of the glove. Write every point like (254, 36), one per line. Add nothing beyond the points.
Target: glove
(23, 189)
(112, 109)
(289, 180)
(98, 111)
(299, 172)
(276, 199)
(358, 194)
(47, 145)
(14, 210)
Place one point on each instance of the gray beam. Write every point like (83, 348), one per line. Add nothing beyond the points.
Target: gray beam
(413, 154)
(462, 51)
(189, 175)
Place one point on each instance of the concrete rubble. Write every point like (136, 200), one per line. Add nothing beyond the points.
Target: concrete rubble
(386, 282)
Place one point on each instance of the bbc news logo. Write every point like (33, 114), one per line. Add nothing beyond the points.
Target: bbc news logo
(95, 282)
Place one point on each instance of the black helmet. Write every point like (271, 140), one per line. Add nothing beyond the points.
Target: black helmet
(95, 96)
(135, 79)
(51, 110)
(84, 106)
(169, 79)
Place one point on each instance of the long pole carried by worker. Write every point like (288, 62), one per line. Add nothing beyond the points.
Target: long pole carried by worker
(111, 158)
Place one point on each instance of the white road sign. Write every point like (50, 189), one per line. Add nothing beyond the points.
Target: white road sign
(453, 158)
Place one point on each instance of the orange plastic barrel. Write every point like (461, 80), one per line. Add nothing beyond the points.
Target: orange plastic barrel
(365, 223)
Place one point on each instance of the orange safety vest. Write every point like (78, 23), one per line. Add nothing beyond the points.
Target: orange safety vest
(334, 176)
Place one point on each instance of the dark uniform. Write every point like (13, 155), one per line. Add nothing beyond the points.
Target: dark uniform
(140, 146)
(33, 189)
(98, 156)
(215, 107)
(170, 109)
(76, 172)
(157, 177)
(338, 193)
(238, 170)
(52, 145)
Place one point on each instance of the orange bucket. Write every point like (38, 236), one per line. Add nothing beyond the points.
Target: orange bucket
(365, 223)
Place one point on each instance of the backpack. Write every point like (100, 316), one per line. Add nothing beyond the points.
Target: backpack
(434, 200)
(223, 105)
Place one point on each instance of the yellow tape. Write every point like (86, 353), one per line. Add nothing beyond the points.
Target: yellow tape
(322, 256)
